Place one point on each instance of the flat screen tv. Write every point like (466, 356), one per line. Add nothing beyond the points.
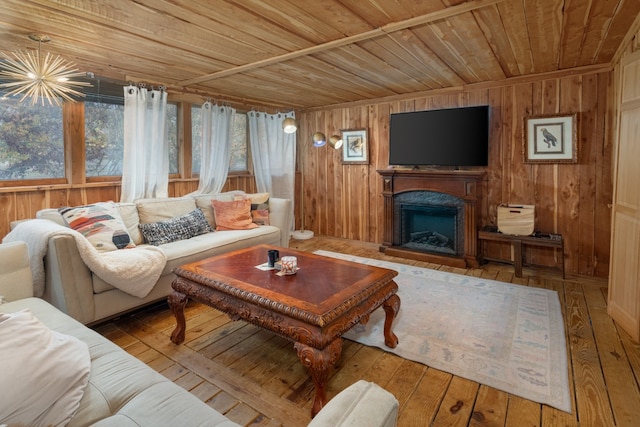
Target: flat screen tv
(449, 137)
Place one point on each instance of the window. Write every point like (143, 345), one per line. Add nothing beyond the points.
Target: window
(31, 140)
(104, 138)
(196, 136)
(239, 142)
(172, 137)
(32, 137)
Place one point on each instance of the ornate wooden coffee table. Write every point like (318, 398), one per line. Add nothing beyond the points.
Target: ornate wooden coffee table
(312, 308)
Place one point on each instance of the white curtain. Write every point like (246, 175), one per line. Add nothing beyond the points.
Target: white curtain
(145, 167)
(273, 153)
(215, 146)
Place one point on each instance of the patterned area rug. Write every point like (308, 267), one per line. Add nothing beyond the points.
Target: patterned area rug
(505, 336)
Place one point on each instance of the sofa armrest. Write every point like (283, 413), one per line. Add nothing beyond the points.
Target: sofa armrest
(16, 281)
(69, 282)
(280, 215)
(361, 404)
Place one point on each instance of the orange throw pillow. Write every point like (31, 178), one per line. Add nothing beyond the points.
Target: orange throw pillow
(233, 215)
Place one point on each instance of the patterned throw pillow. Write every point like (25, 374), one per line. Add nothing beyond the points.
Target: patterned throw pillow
(179, 228)
(259, 207)
(101, 224)
(233, 215)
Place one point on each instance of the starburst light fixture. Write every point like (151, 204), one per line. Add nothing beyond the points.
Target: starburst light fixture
(37, 78)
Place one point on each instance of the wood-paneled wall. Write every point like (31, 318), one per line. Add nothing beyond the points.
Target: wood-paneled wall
(24, 204)
(571, 199)
(346, 200)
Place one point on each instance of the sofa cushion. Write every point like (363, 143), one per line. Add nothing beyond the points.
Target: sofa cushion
(101, 224)
(203, 201)
(197, 248)
(44, 373)
(129, 214)
(160, 402)
(52, 215)
(179, 228)
(155, 210)
(233, 215)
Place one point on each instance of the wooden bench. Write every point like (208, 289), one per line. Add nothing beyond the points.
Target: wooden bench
(518, 243)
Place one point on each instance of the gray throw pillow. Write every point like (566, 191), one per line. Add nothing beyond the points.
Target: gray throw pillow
(179, 228)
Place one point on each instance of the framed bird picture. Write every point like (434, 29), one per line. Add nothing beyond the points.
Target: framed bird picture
(551, 139)
(355, 150)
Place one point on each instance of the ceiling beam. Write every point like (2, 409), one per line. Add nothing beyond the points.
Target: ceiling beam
(377, 32)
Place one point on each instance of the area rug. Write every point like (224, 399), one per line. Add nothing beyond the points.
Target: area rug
(505, 336)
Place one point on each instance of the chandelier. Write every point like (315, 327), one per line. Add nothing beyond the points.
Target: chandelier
(38, 78)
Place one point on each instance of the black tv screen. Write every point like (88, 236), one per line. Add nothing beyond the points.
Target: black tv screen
(448, 137)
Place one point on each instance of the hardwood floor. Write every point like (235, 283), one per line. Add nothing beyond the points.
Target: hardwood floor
(255, 378)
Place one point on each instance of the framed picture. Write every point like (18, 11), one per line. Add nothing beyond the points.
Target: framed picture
(355, 150)
(551, 139)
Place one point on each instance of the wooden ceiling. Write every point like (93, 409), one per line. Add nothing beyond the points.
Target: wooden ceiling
(313, 53)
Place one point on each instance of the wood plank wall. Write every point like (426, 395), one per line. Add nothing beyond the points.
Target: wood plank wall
(571, 199)
(346, 200)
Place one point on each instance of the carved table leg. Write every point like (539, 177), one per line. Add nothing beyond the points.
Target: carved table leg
(391, 307)
(177, 301)
(319, 363)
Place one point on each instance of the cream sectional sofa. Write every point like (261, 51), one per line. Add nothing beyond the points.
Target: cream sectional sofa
(72, 287)
(118, 389)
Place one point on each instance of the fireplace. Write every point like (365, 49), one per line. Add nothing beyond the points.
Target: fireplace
(432, 215)
(430, 222)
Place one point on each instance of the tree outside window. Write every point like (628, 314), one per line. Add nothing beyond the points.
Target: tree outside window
(196, 136)
(172, 137)
(104, 138)
(31, 140)
(239, 142)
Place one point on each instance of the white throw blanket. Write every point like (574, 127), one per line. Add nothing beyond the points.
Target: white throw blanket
(134, 271)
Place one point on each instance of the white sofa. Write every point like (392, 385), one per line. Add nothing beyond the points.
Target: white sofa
(122, 391)
(73, 288)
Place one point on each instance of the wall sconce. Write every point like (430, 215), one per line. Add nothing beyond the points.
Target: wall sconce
(319, 140)
(289, 125)
(335, 141)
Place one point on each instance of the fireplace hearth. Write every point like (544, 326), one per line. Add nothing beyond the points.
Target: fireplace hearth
(431, 215)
